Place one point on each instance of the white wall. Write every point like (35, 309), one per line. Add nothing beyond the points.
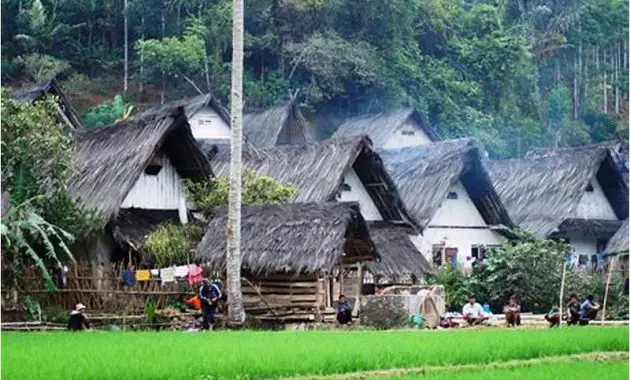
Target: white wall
(207, 124)
(164, 191)
(462, 214)
(399, 140)
(359, 194)
(594, 204)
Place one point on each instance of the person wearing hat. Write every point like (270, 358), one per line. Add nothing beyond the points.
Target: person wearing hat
(209, 294)
(78, 321)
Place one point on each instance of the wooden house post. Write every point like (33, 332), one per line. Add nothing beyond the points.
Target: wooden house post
(359, 288)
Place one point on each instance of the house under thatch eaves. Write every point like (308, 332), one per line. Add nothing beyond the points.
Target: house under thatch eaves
(578, 194)
(135, 171)
(290, 252)
(67, 113)
(283, 124)
(391, 130)
(401, 262)
(341, 169)
(448, 191)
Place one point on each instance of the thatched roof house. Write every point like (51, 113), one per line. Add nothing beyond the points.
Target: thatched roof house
(283, 124)
(67, 113)
(448, 191)
(425, 174)
(320, 170)
(620, 241)
(296, 237)
(138, 167)
(294, 255)
(544, 191)
(391, 130)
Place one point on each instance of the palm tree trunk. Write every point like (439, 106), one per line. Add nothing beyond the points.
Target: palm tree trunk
(605, 84)
(236, 312)
(617, 78)
(126, 64)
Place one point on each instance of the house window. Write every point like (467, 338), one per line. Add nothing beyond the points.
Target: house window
(346, 187)
(152, 169)
(589, 187)
(451, 195)
(474, 252)
(438, 255)
(408, 132)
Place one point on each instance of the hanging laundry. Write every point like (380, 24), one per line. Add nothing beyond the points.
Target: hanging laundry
(181, 271)
(155, 272)
(128, 278)
(143, 275)
(195, 274)
(167, 275)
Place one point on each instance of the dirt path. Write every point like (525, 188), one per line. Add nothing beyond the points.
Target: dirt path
(593, 356)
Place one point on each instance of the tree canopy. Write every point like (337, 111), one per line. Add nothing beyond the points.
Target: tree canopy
(514, 74)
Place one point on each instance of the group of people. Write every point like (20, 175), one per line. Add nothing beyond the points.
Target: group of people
(208, 298)
(578, 313)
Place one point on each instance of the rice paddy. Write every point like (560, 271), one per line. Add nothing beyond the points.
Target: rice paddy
(179, 355)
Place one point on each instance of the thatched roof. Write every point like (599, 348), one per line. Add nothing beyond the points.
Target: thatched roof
(195, 104)
(279, 125)
(541, 192)
(424, 174)
(111, 159)
(39, 91)
(381, 127)
(399, 257)
(620, 240)
(133, 226)
(297, 237)
(317, 171)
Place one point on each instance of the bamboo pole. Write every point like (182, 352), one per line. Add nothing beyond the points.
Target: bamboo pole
(564, 274)
(610, 270)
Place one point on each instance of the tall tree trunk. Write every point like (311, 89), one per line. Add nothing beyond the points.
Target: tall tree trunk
(576, 73)
(605, 83)
(616, 78)
(142, 55)
(236, 312)
(126, 63)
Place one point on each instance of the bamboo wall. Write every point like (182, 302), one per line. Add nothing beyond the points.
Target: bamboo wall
(284, 297)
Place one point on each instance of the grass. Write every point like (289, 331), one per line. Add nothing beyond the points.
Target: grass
(177, 355)
(574, 371)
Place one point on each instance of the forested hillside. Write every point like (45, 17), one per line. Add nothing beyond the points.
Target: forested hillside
(516, 74)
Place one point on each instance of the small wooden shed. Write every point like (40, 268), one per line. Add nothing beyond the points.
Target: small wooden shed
(291, 253)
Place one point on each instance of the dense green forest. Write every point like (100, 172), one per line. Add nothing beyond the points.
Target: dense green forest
(515, 74)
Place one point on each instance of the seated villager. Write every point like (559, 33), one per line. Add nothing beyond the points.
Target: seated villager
(553, 316)
(588, 310)
(473, 312)
(78, 321)
(573, 310)
(512, 312)
(344, 310)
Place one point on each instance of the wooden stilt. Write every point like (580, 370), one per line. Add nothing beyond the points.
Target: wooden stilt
(608, 278)
(564, 274)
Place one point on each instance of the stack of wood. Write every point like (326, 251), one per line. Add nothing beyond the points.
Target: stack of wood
(284, 298)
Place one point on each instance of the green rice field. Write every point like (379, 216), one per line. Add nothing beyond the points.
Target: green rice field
(573, 371)
(229, 354)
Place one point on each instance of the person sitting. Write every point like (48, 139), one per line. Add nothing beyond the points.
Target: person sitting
(473, 312)
(553, 316)
(588, 310)
(573, 310)
(512, 312)
(78, 321)
(344, 310)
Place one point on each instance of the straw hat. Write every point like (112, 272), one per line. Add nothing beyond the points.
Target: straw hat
(79, 306)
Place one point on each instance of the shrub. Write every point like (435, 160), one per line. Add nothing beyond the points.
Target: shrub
(171, 243)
